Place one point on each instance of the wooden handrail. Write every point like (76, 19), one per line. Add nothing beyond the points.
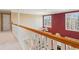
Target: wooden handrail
(71, 42)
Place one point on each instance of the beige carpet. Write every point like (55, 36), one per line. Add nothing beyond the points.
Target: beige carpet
(8, 42)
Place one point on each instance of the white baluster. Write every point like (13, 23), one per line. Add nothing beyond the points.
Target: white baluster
(62, 46)
(43, 43)
(54, 45)
(49, 44)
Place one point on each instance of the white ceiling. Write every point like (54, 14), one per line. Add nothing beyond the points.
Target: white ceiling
(42, 11)
(38, 11)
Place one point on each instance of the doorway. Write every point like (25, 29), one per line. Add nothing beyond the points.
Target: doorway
(6, 22)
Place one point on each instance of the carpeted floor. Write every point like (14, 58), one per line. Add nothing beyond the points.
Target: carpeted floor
(8, 41)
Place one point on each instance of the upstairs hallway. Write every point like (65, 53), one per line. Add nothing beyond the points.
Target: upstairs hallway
(8, 41)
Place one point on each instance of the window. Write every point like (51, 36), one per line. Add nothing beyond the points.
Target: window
(72, 21)
(47, 21)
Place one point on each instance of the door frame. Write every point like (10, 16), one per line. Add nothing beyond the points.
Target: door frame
(2, 21)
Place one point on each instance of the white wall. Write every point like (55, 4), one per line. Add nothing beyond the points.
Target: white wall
(29, 20)
(34, 21)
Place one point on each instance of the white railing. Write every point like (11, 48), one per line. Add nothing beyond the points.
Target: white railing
(30, 40)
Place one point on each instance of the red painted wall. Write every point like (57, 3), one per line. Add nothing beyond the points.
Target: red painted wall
(58, 26)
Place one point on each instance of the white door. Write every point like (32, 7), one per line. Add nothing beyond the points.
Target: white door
(6, 22)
